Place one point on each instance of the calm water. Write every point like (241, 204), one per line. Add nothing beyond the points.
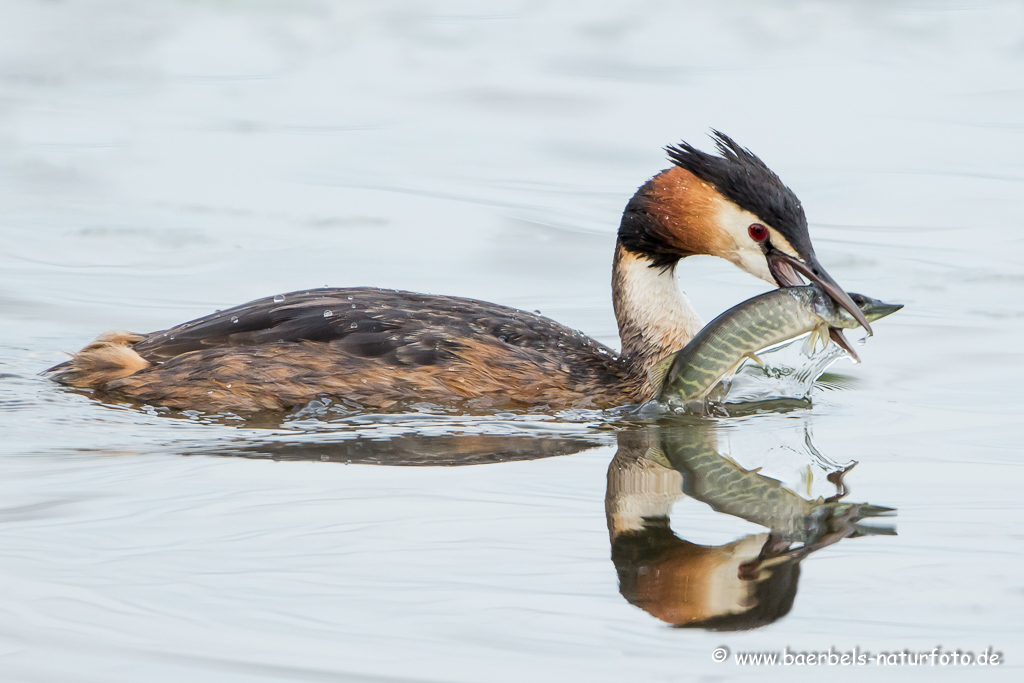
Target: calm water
(161, 160)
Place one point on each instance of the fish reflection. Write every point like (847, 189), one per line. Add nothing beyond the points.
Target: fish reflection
(745, 584)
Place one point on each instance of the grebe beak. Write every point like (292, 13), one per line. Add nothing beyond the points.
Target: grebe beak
(784, 269)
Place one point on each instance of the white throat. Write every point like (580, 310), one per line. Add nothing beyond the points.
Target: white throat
(638, 490)
(655, 318)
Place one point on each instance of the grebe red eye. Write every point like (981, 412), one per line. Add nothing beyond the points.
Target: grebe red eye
(758, 232)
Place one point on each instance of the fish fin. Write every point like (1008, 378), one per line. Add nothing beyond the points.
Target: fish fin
(807, 480)
(728, 375)
(656, 375)
(811, 345)
(811, 342)
(655, 454)
(754, 357)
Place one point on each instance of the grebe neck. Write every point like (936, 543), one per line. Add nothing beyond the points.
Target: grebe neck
(655, 318)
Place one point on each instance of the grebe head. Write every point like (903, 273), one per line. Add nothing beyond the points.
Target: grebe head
(729, 205)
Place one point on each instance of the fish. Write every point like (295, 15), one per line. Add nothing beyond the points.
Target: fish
(727, 487)
(758, 323)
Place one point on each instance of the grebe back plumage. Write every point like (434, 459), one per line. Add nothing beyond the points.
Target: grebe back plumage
(378, 348)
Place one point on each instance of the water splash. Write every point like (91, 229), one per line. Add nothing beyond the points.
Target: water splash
(789, 373)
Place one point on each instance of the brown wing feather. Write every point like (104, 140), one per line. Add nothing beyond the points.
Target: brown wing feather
(366, 322)
(377, 348)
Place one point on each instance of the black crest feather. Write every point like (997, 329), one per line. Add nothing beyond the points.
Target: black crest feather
(740, 176)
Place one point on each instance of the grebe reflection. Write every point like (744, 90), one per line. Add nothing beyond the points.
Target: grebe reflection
(745, 584)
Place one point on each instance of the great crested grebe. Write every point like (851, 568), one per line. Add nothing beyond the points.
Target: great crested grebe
(378, 348)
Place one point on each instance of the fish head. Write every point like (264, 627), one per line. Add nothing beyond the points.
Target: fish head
(838, 317)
